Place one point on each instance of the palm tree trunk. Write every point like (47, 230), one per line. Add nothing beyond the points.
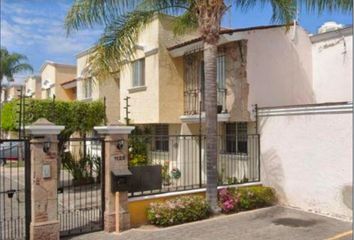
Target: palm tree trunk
(210, 55)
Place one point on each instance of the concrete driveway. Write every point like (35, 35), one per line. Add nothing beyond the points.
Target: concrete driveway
(263, 224)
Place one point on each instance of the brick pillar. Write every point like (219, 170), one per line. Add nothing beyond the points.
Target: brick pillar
(44, 219)
(116, 215)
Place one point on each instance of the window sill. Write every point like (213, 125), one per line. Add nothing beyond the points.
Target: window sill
(137, 89)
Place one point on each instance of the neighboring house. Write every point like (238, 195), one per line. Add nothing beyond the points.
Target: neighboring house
(11, 92)
(332, 54)
(57, 80)
(90, 89)
(33, 87)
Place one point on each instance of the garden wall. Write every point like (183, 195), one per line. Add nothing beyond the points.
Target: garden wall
(306, 155)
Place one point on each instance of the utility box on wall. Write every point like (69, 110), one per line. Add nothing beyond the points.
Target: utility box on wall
(120, 180)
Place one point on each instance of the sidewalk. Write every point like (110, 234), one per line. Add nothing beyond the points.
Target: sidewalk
(265, 224)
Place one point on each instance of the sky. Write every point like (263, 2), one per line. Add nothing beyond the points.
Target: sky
(35, 28)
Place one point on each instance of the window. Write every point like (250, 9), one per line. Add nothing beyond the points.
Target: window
(242, 137)
(87, 88)
(161, 137)
(220, 71)
(236, 138)
(139, 73)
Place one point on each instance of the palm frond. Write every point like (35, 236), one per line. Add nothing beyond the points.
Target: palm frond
(87, 13)
(330, 5)
(117, 44)
(185, 23)
(284, 11)
(22, 67)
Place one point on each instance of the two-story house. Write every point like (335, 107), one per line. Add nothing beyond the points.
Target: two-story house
(11, 91)
(91, 89)
(57, 79)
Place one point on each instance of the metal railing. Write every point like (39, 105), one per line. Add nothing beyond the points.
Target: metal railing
(182, 161)
(194, 101)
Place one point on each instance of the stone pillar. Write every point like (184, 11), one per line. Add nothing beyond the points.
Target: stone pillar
(44, 219)
(116, 215)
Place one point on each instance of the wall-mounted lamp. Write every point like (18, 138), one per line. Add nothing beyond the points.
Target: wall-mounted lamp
(46, 147)
(120, 144)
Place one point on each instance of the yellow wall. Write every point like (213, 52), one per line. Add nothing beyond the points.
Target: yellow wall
(64, 74)
(162, 100)
(57, 74)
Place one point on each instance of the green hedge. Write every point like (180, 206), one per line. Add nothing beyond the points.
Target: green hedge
(179, 210)
(75, 116)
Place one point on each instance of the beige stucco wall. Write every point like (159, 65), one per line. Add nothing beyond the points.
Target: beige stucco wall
(332, 69)
(104, 88)
(48, 73)
(170, 75)
(109, 89)
(64, 74)
(56, 74)
(161, 101)
(279, 68)
(33, 87)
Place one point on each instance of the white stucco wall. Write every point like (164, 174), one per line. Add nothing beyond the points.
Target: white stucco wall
(279, 67)
(332, 66)
(308, 160)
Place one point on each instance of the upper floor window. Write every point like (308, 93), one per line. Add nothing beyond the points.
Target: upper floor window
(87, 88)
(139, 72)
(220, 71)
(236, 138)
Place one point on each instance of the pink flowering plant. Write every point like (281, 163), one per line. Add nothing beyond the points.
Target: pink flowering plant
(245, 198)
(179, 210)
(227, 201)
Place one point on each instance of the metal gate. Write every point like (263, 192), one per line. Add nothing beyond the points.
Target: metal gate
(15, 190)
(81, 184)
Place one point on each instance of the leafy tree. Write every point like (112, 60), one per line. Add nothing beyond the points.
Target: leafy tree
(10, 64)
(123, 19)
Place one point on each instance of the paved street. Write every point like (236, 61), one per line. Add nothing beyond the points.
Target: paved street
(269, 223)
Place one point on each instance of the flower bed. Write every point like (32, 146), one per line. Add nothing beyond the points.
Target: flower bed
(246, 198)
(192, 208)
(179, 210)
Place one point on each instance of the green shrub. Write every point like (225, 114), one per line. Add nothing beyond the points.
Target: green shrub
(256, 197)
(75, 116)
(246, 198)
(179, 210)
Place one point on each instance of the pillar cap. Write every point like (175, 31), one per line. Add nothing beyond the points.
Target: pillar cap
(43, 127)
(116, 128)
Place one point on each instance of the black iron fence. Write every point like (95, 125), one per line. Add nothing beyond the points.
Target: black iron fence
(14, 189)
(194, 101)
(181, 163)
(80, 186)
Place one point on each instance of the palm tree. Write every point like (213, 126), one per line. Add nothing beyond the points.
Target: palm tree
(11, 64)
(123, 19)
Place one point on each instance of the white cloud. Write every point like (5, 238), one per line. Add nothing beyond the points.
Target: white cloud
(28, 27)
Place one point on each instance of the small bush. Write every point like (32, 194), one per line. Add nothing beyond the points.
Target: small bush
(179, 210)
(246, 198)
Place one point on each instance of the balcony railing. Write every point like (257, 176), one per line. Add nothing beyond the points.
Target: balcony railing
(194, 100)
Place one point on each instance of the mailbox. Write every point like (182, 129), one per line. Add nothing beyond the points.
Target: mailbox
(120, 180)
